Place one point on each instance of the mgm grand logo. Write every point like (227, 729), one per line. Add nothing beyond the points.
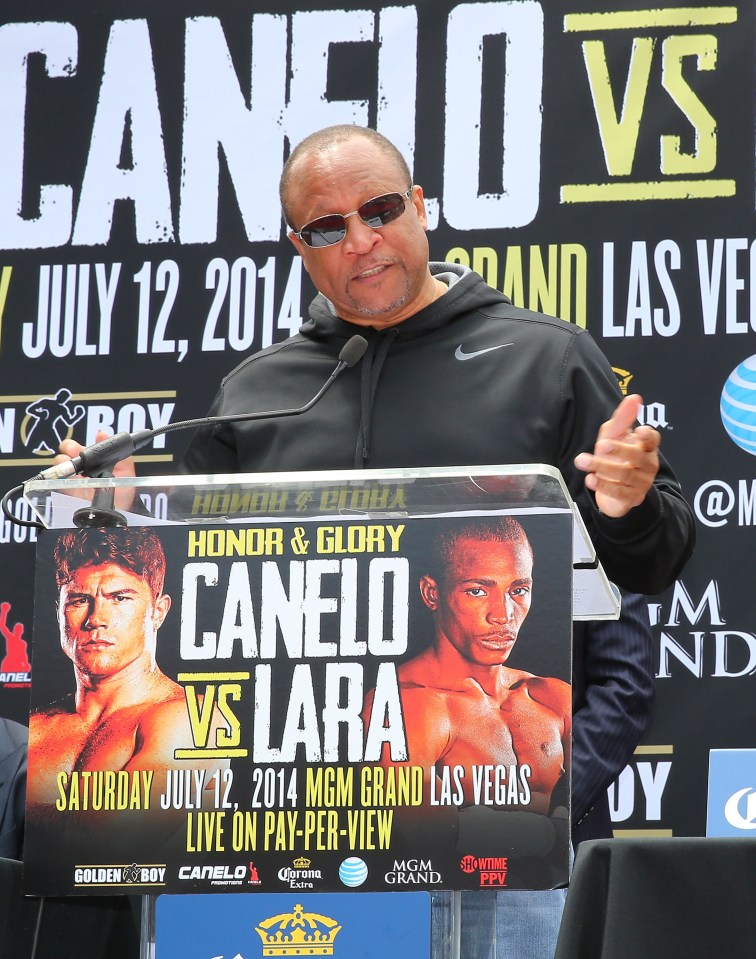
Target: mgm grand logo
(409, 872)
(298, 933)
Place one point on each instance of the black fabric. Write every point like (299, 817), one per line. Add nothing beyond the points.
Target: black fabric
(613, 693)
(661, 898)
(13, 751)
(77, 927)
(470, 380)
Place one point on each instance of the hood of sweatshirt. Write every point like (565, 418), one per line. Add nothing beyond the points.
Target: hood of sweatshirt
(467, 291)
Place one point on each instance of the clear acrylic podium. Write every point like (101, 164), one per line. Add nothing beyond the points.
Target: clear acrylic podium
(309, 500)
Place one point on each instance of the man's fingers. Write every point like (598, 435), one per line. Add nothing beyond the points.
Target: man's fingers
(622, 420)
(70, 448)
(649, 438)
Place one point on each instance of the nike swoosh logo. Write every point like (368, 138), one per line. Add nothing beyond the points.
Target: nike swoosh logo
(469, 356)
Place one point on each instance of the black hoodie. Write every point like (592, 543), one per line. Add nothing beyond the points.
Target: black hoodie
(471, 380)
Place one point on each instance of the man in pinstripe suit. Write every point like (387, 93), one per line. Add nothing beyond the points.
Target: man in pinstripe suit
(13, 749)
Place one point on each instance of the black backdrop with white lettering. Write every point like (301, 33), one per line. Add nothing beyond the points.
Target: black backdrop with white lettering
(592, 161)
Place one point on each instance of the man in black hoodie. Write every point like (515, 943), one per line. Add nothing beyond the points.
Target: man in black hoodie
(454, 374)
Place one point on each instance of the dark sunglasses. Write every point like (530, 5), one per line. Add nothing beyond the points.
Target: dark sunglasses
(375, 213)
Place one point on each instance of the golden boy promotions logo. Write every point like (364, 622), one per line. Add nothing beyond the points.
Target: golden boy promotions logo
(298, 933)
(32, 426)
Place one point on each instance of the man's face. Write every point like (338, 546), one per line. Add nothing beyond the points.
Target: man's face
(484, 598)
(108, 619)
(373, 277)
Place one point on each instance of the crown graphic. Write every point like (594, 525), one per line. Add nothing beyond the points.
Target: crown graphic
(302, 863)
(298, 933)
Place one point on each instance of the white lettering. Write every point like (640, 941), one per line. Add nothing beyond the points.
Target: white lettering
(127, 114)
(517, 204)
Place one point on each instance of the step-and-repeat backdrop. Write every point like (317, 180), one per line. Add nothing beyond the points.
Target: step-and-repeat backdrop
(594, 162)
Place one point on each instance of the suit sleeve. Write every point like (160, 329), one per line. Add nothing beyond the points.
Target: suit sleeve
(614, 693)
(13, 759)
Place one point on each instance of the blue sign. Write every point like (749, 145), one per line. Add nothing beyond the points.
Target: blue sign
(293, 926)
(731, 809)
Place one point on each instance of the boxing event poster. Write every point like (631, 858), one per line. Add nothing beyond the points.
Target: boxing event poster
(317, 705)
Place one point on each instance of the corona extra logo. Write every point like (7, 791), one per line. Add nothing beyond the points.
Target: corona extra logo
(649, 414)
(298, 933)
(623, 379)
(302, 863)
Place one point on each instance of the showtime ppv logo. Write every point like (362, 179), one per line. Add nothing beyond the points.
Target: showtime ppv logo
(492, 869)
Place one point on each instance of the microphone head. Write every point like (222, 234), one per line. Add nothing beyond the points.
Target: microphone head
(353, 350)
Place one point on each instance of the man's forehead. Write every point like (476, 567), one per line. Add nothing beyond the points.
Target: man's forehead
(470, 553)
(110, 572)
(344, 157)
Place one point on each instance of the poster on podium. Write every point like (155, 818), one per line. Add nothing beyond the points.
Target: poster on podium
(317, 704)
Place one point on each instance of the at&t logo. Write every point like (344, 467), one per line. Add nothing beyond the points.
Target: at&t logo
(737, 405)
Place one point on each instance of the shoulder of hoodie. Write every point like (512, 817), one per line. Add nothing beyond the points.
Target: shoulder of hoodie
(497, 305)
(274, 350)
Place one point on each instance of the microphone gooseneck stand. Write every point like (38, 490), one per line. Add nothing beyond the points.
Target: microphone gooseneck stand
(97, 461)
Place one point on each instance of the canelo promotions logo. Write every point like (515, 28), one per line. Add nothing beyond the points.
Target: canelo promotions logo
(218, 875)
(15, 668)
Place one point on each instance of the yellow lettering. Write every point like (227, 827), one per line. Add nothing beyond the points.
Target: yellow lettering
(619, 135)
(703, 158)
(61, 802)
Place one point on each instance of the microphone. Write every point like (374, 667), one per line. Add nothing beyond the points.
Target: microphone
(97, 459)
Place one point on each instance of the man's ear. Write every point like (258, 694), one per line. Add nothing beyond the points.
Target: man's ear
(300, 247)
(418, 201)
(162, 605)
(429, 592)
